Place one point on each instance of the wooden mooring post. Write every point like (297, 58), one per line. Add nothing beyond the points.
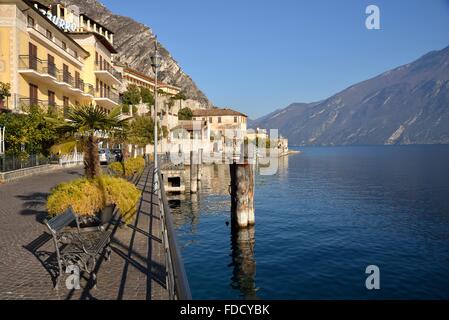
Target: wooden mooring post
(193, 172)
(200, 165)
(242, 194)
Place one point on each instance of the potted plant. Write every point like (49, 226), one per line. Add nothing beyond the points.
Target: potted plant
(5, 92)
(82, 195)
(129, 168)
(95, 199)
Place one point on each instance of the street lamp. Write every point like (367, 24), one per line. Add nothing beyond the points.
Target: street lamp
(155, 64)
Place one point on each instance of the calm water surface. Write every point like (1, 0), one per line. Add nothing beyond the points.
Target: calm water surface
(320, 221)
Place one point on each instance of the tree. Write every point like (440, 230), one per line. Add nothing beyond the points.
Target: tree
(180, 96)
(5, 92)
(141, 131)
(146, 96)
(131, 96)
(185, 114)
(87, 123)
(31, 133)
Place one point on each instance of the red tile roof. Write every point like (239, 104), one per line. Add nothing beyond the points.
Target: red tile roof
(216, 112)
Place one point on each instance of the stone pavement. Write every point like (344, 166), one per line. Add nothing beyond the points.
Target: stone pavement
(137, 267)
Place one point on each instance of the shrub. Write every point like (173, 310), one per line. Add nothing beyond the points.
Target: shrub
(185, 114)
(121, 193)
(81, 194)
(88, 197)
(129, 167)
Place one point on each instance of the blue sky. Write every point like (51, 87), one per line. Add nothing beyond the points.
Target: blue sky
(260, 55)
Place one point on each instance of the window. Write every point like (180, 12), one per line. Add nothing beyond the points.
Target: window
(51, 65)
(65, 101)
(32, 56)
(219, 119)
(51, 99)
(235, 119)
(64, 45)
(210, 119)
(65, 73)
(76, 54)
(78, 80)
(30, 22)
(33, 95)
(49, 35)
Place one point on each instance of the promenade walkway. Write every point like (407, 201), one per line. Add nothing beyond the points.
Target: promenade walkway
(136, 270)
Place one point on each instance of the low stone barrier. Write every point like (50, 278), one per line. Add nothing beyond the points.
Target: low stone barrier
(27, 172)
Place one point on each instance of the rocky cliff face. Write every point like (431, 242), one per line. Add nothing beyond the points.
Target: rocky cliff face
(135, 43)
(407, 105)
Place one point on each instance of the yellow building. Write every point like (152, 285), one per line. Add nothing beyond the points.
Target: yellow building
(55, 57)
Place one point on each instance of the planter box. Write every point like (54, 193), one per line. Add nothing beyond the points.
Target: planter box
(100, 220)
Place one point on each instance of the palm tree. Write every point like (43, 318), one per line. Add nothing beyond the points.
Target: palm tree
(87, 124)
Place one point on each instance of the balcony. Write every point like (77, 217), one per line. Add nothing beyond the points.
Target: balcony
(44, 71)
(107, 74)
(108, 99)
(37, 69)
(50, 109)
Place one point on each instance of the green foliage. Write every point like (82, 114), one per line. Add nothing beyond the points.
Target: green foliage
(134, 110)
(84, 123)
(88, 196)
(185, 114)
(147, 96)
(82, 195)
(179, 96)
(5, 90)
(125, 108)
(141, 131)
(165, 131)
(132, 95)
(129, 167)
(32, 133)
(121, 193)
(67, 147)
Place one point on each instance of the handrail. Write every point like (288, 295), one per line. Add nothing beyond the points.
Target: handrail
(177, 283)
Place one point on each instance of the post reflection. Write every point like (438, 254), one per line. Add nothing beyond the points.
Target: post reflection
(243, 262)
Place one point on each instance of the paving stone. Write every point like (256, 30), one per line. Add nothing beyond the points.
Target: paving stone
(136, 259)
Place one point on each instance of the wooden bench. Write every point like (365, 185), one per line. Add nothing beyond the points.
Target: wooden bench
(82, 249)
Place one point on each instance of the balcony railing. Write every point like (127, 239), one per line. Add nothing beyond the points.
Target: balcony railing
(104, 67)
(48, 68)
(49, 108)
(111, 95)
(84, 87)
(36, 64)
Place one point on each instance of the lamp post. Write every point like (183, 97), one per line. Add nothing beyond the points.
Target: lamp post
(155, 64)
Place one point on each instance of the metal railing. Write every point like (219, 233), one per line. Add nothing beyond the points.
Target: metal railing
(27, 62)
(45, 67)
(51, 109)
(74, 158)
(177, 283)
(12, 162)
(105, 67)
(111, 95)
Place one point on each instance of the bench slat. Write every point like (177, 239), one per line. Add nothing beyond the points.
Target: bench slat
(61, 221)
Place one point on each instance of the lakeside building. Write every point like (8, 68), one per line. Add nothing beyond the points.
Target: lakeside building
(168, 110)
(54, 57)
(225, 126)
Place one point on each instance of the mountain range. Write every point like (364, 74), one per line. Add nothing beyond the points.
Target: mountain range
(134, 42)
(406, 105)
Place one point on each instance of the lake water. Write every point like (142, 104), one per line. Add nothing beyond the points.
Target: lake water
(320, 221)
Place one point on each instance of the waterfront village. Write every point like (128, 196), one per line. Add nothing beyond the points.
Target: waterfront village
(57, 57)
(68, 104)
